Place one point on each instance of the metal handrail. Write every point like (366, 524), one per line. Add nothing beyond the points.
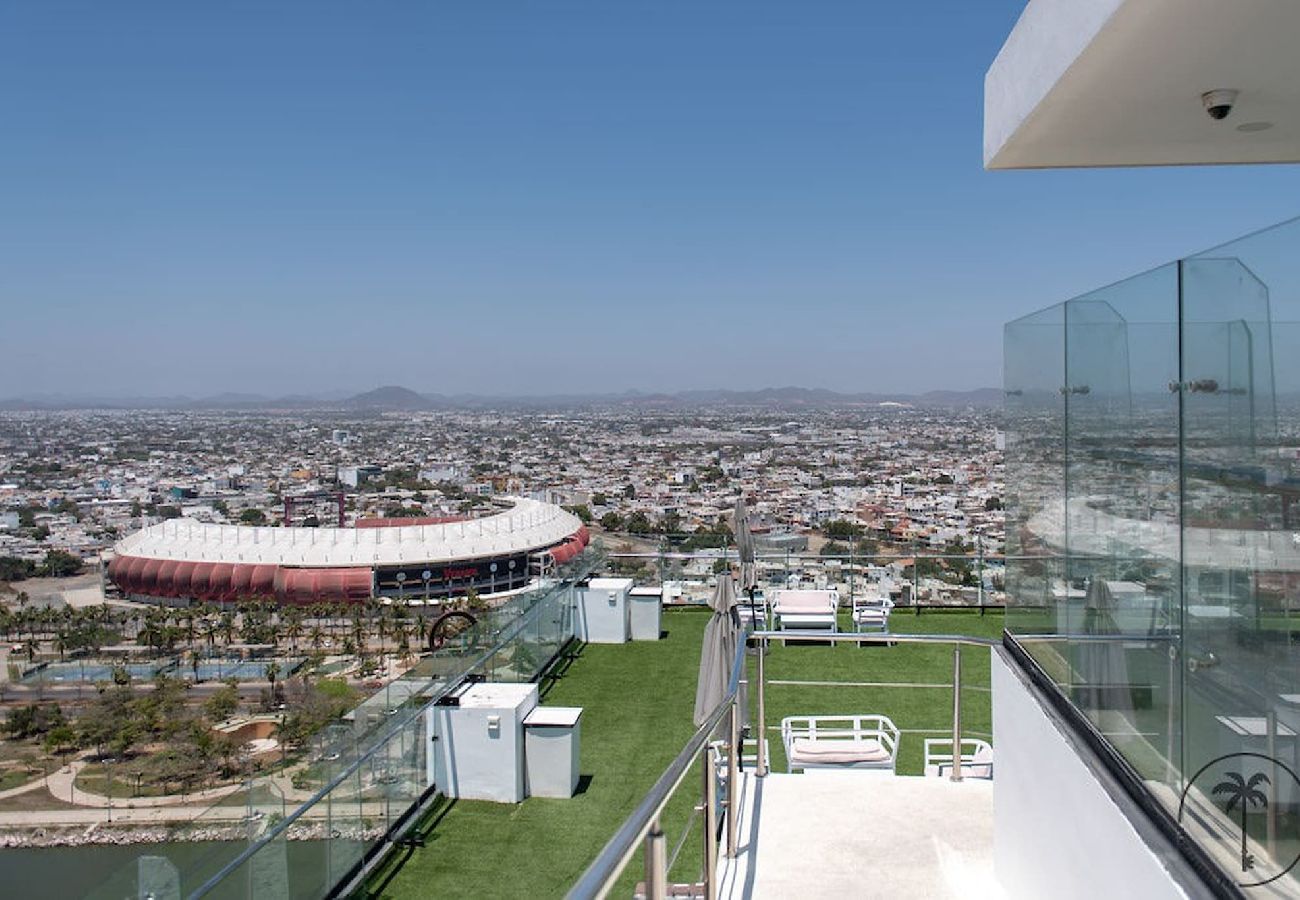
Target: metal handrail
(600, 875)
(873, 637)
(778, 555)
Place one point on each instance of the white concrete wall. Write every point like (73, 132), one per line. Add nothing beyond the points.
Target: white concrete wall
(1046, 41)
(1057, 832)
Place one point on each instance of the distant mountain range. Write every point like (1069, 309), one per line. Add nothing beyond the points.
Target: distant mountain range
(393, 398)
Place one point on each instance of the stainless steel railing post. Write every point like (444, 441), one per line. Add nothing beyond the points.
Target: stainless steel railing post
(733, 781)
(956, 712)
(656, 862)
(760, 731)
(1271, 833)
(710, 824)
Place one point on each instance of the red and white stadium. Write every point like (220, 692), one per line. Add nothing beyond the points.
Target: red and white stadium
(180, 561)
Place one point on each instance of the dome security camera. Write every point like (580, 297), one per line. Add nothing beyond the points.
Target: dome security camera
(1219, 103)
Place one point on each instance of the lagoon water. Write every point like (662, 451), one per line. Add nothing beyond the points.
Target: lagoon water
(107, 871)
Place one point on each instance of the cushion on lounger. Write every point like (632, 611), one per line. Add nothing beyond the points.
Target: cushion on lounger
(804, 602)
(806, 751)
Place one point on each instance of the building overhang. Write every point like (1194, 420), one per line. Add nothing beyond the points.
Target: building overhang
(1082, 83)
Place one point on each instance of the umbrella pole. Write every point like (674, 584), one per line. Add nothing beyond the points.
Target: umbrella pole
(761, 768)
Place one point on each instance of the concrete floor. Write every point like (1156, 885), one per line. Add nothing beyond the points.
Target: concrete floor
(835, 833)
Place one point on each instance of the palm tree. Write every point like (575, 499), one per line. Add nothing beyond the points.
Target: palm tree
(210, 628)
(316, 613)
(293, 627)
(382, 628)
(47, 617)
(148, 630)
(359, 630)
(1244, 794)
(402, 634)
(228, 628)
(188, 618)
(272, 673)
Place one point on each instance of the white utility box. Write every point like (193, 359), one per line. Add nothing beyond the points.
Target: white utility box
(552, 740)
(477, 749)
(603, 611)
(647, 613)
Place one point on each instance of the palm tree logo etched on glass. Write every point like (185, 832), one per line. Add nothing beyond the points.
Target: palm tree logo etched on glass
(1236, 786)
(1243, 794)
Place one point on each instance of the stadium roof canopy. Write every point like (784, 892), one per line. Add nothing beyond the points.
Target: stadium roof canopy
(528, 525)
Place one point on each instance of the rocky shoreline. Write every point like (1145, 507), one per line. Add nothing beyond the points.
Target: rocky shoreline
(81, 836)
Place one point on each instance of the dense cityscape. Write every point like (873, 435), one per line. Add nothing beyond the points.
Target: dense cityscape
(910, 478)
(183, 696)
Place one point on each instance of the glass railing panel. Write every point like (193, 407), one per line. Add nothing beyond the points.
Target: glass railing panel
(407, 775)
(1034, 375)
(1270, 257)
(1241, 563)
(349, 827)
(1122, 550)
(1151, 536)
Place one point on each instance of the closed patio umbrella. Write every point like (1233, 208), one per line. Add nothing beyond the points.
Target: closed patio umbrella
(718, 651)
(1102, 659)
(745, 547)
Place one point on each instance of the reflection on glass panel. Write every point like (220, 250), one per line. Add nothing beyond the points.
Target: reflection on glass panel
(1153, 563)
(347, 836)
(1035, 464)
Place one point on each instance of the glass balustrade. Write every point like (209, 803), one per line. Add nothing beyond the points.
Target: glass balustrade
(1153, 556)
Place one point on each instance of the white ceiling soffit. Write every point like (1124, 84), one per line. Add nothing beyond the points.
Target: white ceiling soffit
(1119, 83)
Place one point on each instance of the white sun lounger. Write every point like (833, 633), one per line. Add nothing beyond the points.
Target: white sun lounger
(840, 742)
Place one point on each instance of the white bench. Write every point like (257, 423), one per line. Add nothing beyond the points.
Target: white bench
(839, 742)
(976, 758)
(805, 610)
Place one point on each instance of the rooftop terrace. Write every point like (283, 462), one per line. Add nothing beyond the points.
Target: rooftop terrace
(638, 700)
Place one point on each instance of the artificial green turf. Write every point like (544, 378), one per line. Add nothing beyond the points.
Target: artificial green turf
(638, 699)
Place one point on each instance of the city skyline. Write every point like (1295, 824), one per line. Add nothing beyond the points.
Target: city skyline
(391, 397)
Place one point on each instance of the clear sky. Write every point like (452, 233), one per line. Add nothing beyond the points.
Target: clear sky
(540, 196)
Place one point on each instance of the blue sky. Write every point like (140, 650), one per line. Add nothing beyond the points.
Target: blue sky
(533, 197)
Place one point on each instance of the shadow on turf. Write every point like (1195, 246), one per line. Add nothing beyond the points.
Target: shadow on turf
(418, 837)
(559, 668)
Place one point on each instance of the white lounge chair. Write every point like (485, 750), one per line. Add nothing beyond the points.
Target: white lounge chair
(840, 742)
(806, 610)
(976, 758)
(871, 614)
